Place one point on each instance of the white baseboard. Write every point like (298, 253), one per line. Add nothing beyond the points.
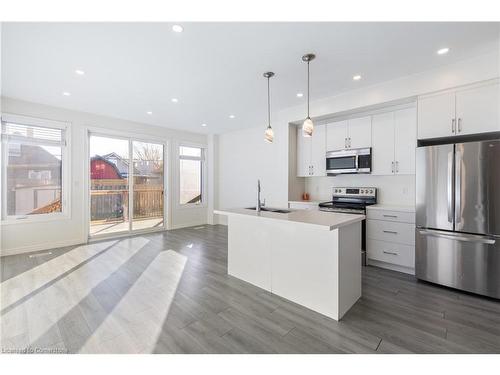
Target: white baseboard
(40, 247)
(389, 266)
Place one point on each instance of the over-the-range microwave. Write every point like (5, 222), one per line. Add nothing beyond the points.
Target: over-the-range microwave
(357, 160)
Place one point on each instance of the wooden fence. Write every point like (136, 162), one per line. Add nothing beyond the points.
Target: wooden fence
(109, 200)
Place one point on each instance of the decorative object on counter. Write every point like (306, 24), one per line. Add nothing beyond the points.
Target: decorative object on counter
(305, 196)
(269, 134)
(308, 125)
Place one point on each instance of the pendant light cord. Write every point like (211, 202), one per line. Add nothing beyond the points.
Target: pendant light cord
(308, 89)
(268, 104)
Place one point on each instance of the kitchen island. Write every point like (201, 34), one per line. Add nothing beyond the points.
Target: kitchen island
(310, 257)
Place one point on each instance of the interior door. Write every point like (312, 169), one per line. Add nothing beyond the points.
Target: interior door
(336, 136)
(360, 132)
(383, 144)
(434, 185)
(478, 110)
(477, 181)
(405, 136)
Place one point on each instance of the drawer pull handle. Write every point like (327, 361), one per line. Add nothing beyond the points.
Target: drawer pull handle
(390, 231)
(389, 252)
(393, 216)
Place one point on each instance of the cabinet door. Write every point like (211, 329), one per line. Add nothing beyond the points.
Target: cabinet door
(360, 132)
(478, 110)
(303, 154)
(336, 136)
(318, 151)
(405, 140)
(383, 144)
(436, 115)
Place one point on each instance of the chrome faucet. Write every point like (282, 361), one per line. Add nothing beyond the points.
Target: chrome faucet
(258, 197)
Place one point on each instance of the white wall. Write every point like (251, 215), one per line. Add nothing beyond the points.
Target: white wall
(24, 237)
(244, 156)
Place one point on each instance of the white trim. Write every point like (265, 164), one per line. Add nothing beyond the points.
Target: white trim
(41, 246)
(35, 121)
(204, 175)
(65, 213)
(130, 137)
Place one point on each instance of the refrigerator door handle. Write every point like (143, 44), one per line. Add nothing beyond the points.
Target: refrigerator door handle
(458, 186)
(457, 237)
(449, 190)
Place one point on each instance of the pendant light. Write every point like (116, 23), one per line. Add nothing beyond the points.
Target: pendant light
(269, 133)
(308, 125)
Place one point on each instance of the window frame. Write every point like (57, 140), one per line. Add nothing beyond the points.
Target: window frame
(203, 159)
(65, 212)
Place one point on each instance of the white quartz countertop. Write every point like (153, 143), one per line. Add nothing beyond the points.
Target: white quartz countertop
(391, 207)
(326, 220)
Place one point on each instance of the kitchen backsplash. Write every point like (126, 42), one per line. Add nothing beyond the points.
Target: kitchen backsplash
(398, 190)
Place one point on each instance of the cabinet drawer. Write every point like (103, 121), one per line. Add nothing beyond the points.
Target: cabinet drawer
(403, 233)
(399, 216)
(390, 252)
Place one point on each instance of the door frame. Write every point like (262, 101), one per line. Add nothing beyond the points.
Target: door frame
(130, 137)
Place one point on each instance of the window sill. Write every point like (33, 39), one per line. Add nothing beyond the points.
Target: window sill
(36, 220)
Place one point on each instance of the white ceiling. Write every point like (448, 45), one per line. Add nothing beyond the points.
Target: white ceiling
(215, 69)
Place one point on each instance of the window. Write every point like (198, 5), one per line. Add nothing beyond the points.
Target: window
(33, 157)
(191, 164)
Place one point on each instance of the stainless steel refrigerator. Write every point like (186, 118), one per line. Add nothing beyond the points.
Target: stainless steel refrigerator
(458, 216)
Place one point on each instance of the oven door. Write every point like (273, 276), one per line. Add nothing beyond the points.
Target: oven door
(338, 162)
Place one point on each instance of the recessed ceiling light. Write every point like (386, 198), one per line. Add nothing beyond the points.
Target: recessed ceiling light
(232, 116)
(203, 125)
(65, 93)
(149, 112)
(356, 77)
(174, 100)
(79, 72)
(300, 95)
(177, 28)
(443, 51)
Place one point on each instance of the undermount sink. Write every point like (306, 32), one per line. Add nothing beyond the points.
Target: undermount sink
(277, 210)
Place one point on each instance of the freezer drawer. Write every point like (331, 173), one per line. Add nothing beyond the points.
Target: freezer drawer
(466, 262)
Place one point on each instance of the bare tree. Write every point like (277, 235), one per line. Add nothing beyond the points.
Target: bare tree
(151, 153)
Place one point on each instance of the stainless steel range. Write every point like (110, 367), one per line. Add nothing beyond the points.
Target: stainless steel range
(352, 200)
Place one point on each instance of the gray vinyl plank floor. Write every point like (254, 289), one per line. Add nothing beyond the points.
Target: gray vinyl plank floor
(169, 292)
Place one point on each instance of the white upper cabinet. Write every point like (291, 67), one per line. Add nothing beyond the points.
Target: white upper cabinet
(478, 110)
(436, 116)
(318, 152)
(360, 132)
(383, 144)
(394, 141)
(311, 152)
(352, 133)
(336, 136)
(303, 154)
(464, 111)
(405, 140)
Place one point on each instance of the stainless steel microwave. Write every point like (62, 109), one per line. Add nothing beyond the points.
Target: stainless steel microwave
(349, 161)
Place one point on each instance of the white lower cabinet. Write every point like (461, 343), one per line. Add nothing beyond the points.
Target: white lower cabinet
(390, 238)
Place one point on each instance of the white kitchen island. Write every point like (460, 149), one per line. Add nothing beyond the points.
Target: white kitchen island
(310, 257)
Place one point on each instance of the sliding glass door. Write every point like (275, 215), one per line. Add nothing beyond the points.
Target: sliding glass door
(126, 185)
